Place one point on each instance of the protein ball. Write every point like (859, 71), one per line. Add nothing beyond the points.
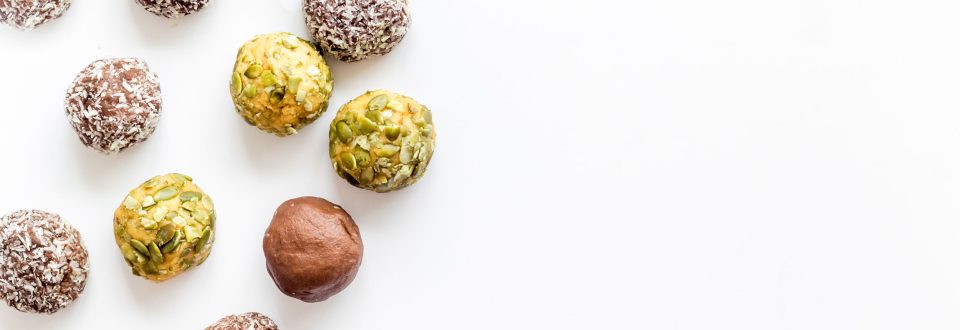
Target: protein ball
(313, 249)
(382, 141)
(114, 104)
(247, 321)
(172, 8)
(280, 83)
(43, 263)
(353, 30)
(28, 14)
(165, 227)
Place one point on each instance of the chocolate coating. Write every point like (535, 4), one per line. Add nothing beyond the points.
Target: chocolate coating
(313, 248)
(246, 321)
(114, 104)
(43, 263)
(28, 14)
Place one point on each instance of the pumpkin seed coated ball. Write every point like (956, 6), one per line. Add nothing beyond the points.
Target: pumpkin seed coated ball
(280, 83)
(382, 141)
(165, 227)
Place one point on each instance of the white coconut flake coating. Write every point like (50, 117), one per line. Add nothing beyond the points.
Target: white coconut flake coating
(247, 321)
(172, 8)
(114, 104)
(28, 14)
(353, 30)
(43, 263)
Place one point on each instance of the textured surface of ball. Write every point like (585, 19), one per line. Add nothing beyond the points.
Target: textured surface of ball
(246, 321)
(353, 30)
(172, 8)
(114, 104)
(313, 248)
(280, 83)
(165, 227)
(28, 14)
(382, 141)
(43, 262)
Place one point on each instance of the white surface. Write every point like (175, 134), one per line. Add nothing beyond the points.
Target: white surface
(657, 164)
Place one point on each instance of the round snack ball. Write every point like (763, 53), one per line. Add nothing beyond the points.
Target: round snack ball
(280, 83)
(382, 141)
(246, 321)
(172, 8)
(43, 263)
(352, 30)
(114, 104)
(28, 14)
(165, 227)
(313, 248)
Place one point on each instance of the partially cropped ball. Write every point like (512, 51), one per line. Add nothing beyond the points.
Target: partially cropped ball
(280, 83)
(165, 227)
(353, 30)
(114, 104)
(313, 248)
(246, 321)
(382, 141)
(172, 8)
(28, 14)
(43, 263)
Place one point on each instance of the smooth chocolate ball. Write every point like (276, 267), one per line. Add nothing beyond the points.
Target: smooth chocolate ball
(313, 249)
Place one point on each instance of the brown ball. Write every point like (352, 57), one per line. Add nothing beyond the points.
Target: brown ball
(26, 15)
(313, 248)
(247, 321)
(172, 8)
(114, 104)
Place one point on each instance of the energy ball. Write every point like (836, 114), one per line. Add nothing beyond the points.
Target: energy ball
(28, 14)
(313, 249)
(172, 8)
(352, 30)
(382, 141)
(280, 83)
(247, 321)
(165, 227)
(43, 263)
(114, 104)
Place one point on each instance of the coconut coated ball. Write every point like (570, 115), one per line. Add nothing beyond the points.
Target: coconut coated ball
(246, 321)
(353, 30)
(114, 104)
(172, 8)
(28, 14)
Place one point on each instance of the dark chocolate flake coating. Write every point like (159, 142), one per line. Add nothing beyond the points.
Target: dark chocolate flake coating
(114, 104)
(353, 30)
(43, 263)
(172, 8)
(28, 14)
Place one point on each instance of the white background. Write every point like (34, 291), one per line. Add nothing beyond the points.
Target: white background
(619, 164)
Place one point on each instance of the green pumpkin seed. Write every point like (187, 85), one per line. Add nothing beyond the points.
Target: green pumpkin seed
(151, 269)
(130, 203)
(148, 224)
(188, 196)
(392, 132)
(201, 216)
(344, 133)
(367, 175)
(207, 203)
(203, 239)
(165, 193)
(189, 206)
(293, 84)
(191, 233)
(277, 95)
(148, 202)
(250, 91)
(138, 245)
(378, 103)
(254, 71)
(173, 243)
(374, 116)
(236, 84)
(348, 161)
(130, 254)
(362, 157)
(268, 79)
(367, 126)
(387, 150)
(166, 233)
(155, 254)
